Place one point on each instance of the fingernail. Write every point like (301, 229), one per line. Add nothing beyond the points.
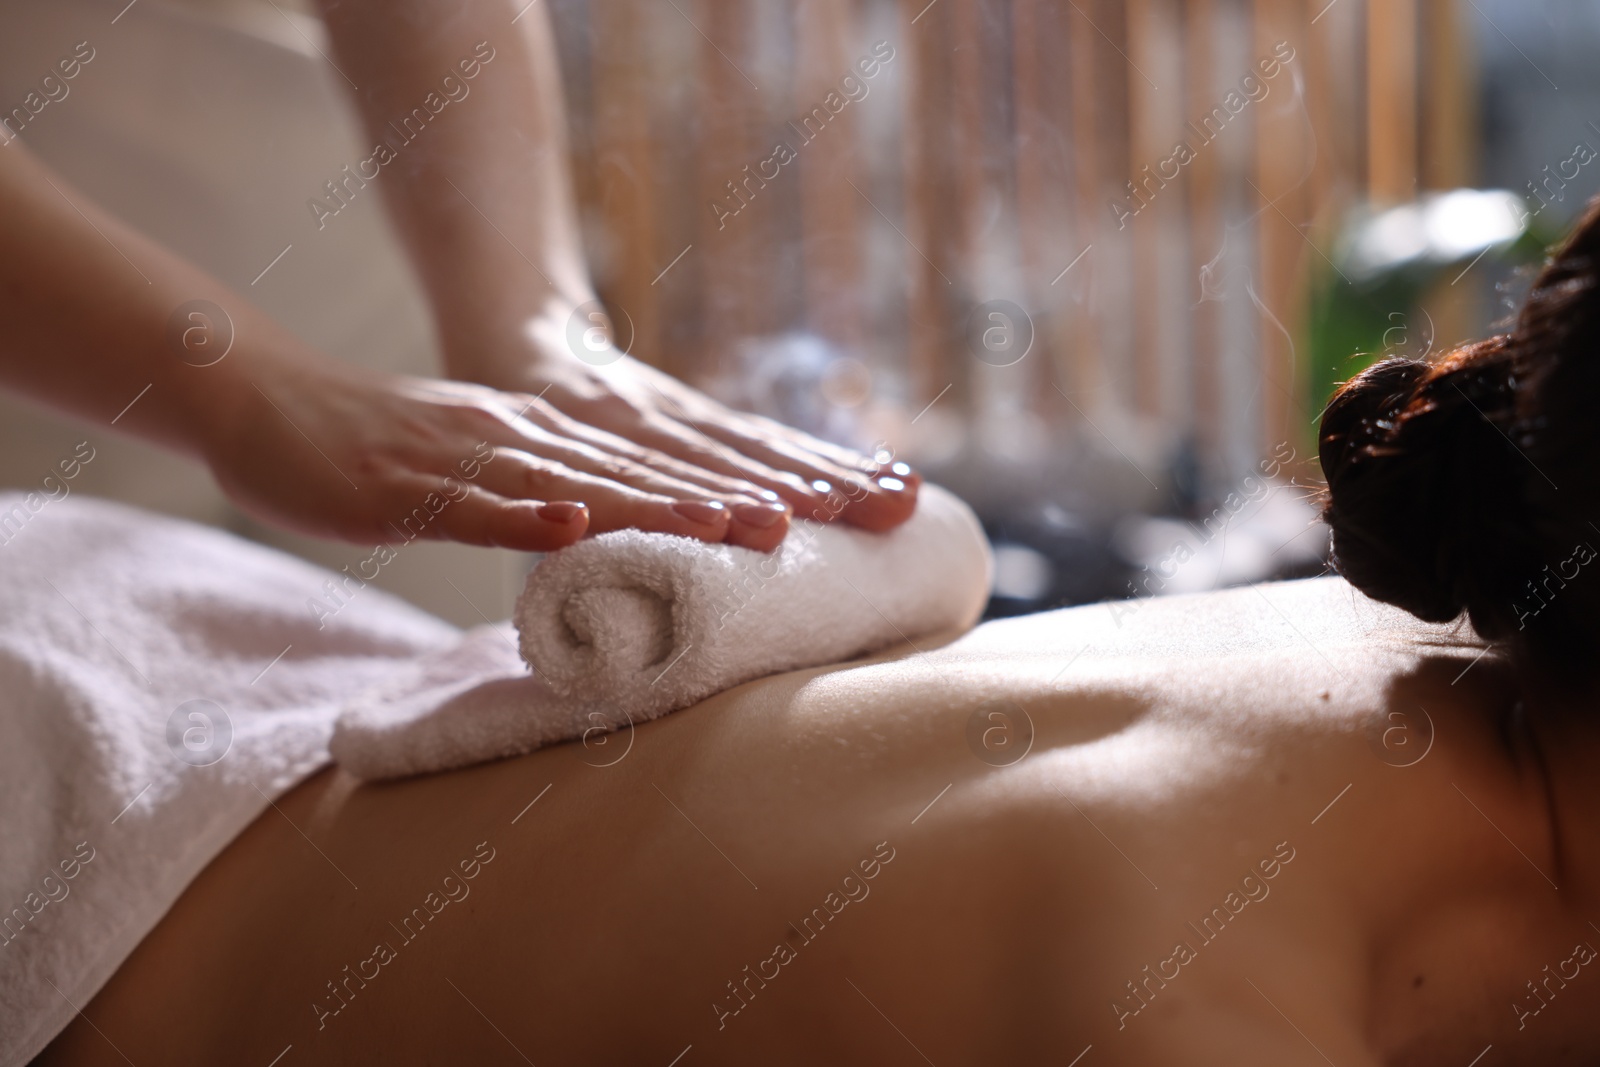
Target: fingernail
(768, 494)
(822, 487)
(562, 511)
(893, 485)
(707, 513)
(761, 516)
(900, 470)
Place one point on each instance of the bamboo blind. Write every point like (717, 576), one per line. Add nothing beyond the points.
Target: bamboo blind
(985, 163)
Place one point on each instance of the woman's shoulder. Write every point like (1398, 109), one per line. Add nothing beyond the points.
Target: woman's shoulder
(1268, 617)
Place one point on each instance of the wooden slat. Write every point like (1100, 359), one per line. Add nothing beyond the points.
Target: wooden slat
(1087, 380)
(927, 327)
(1038, 224)
(1448, 150)
(1155, 91)
(1282, 155)
(1103, 109)
(1331, 60)
(730, 243)
(1050, 229)
(1449, 134)
(1207, 229)
(675, 53)
(827, 45)
(962, 243)
(1042, 33)
(1392, 99)
(1144, 150)
(777, 271)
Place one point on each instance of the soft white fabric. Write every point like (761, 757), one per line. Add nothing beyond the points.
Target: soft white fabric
(628, 626)
(130, 643)
(111, 622)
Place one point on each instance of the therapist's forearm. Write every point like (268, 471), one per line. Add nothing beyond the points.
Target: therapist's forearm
(87, 309)
(480, 192)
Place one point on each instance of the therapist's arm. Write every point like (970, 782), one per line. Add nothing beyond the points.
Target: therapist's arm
(483, 200)
(88, 325)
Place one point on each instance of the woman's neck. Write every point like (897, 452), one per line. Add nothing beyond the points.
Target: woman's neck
(1489, 944)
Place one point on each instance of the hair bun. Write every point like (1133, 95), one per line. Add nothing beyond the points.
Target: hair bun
(1473, 484)
(1424, 488)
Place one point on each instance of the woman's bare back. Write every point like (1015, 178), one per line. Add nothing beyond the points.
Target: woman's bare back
(1174, 831)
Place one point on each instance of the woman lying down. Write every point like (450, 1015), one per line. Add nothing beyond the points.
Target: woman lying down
(1288, 824)
(1284, 824)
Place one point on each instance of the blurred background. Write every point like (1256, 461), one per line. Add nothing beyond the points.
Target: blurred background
(1095, 265)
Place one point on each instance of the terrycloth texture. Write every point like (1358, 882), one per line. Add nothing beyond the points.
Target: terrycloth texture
(628, 626)
(116, 788)
(646, 623)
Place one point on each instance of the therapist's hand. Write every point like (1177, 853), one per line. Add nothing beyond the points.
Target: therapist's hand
(634, 403)
(339, 452)
(484, 207)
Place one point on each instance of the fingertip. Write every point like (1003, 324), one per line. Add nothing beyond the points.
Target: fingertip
(563, 512)
(897, 496)
(703, 512)
(703, 520)
(892, 503)
(894, 486)
(898, 471)
(905, 472)
(761, 527)
(761, 516)
(528, 526)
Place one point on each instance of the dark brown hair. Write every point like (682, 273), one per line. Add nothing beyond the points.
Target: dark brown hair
(1471, 485)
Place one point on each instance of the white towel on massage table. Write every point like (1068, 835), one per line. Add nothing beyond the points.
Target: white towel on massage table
(160, 682)
(629, 625)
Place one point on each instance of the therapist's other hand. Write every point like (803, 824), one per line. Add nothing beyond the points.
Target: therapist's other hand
(339, 452)
(633, 402)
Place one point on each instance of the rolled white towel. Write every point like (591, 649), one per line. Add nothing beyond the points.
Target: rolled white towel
(647, 623)
(628, 626)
